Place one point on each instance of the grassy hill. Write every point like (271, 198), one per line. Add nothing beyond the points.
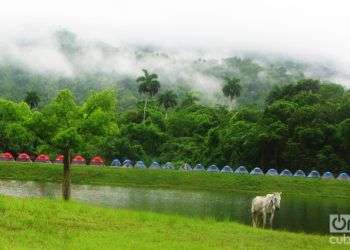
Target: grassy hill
(52, 224)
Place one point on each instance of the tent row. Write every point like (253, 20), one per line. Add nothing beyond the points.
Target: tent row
(98, 161)
(23, 157)
(298, 173)
(227, 169)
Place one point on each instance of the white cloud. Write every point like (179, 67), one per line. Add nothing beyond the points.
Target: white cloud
(312, 30)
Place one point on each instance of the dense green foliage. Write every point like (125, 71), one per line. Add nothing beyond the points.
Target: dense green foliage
(304, 125)
(60, 126)
(174, 179)
(51, 224)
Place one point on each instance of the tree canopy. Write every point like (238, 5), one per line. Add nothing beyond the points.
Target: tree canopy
(303, 125)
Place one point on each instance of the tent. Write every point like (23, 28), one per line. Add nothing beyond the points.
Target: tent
(327, 175)
(286, 172)
(199, 167)
(241, 170)
(127, 163)
(79, 160)
(343, 176)
(213, 169)
(97, 161)
(140, 164)
(23, 157)
(6, 157)
(43, 158)
(299, 173)
(116, 163)
(272, 172)
(226, 169)
(154, 165)
(256, 171)
(186, 167)
(168, 165)
(59, 159)
(314, 174)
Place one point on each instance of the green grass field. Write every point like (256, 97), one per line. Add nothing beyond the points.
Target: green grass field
(175, 179)
(52, 224)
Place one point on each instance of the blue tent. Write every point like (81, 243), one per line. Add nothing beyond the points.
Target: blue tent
(256, 171)
(327, 175)
(299, 173)
(154, 165)
(343, 176)
(116, 163)
(140, 164)
(127, 163)
(213, 169)
(227, 169)
(241, 170)
(168, 165)
(286, 172)
(186, 167)
(199, 167)
(272, 172)
(314, 174)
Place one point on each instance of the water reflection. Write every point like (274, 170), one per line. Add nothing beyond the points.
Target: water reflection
(296, 213)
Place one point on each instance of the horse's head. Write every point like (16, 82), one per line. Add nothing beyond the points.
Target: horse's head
(277, 199)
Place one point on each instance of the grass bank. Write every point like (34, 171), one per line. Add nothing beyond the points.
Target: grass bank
(52, 224)
(176, 179)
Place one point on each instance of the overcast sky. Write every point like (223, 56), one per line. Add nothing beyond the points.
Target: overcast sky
(300, 27)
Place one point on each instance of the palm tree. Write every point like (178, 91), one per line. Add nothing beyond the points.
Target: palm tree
(168, 100)
(149, 85)
(32, 99)
(232, 89)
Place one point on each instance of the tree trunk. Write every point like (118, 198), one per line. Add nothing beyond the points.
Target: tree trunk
(144, 110)
(232, 104)
(66, 176)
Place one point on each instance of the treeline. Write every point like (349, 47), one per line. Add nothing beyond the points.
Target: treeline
(304, 125)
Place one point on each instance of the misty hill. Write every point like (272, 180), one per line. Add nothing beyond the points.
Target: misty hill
(63, 60)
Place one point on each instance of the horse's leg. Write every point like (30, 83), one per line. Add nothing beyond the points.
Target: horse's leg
(271, 217)
(253, 219)
(264, 218)
(260, 219)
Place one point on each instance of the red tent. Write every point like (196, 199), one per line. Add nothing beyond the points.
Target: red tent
(43, 158)
(59, 159)
(78, 159)
(97, 160)
(6, 157)
(23, 157)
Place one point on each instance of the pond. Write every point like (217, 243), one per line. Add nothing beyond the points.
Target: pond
(296, 213)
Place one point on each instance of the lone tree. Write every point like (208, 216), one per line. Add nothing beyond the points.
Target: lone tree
(32, 99)
(65, 127)
(149, 85)
(232, 89)
(168, 100)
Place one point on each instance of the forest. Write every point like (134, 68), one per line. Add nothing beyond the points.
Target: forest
(300, 125)
(250, 110)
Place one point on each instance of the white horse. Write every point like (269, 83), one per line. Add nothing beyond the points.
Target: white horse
(263, 205)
